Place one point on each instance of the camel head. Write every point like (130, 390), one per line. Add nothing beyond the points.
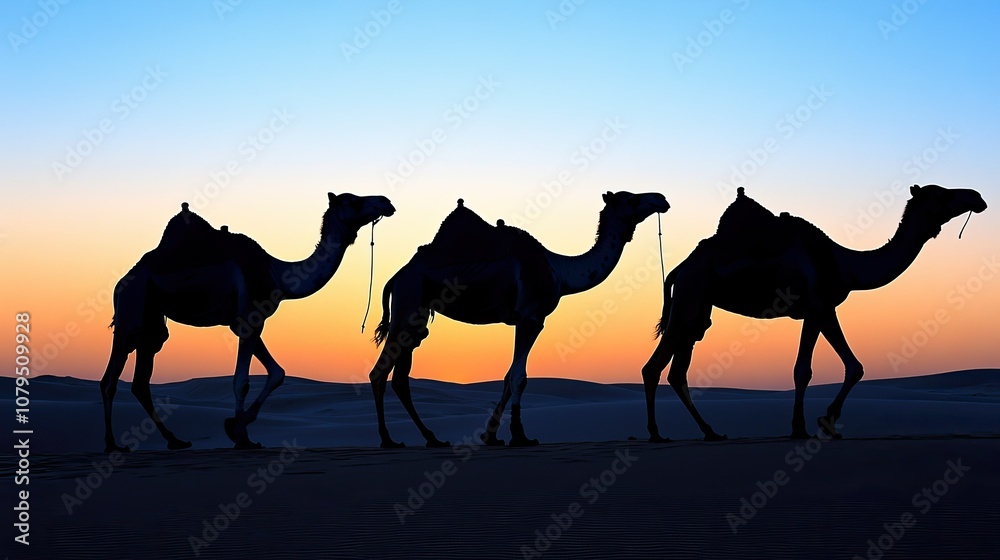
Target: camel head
(349, 213)
(632, 209)
(937, 205)
(354, 212)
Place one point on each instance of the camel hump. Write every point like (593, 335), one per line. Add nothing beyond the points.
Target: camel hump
(744, 215)
(747, 228)
(465, 237)
(189, 241)
(185, 228)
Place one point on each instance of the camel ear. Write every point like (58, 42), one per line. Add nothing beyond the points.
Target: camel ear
(914, 189)
(332, 196)
(607, 197)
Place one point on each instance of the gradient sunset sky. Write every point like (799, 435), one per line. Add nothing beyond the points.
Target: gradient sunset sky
(253, 112)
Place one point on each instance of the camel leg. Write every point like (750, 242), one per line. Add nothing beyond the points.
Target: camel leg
(678, 380)
(236, 427)
(401, 386)
(378, 376)
(140, 388)
(853, 372)
(525, 335)
(690, 317)
(275, 377)
(109, 386)
(650, 380)
(489, 437)
(518, 366)
(803, 373)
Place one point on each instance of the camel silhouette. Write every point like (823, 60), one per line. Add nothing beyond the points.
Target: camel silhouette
(765, 266)
(480, 274)
(202, 276)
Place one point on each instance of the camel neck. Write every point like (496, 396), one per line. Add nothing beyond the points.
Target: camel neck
(580, 273)
(867, 270)
(299, 279)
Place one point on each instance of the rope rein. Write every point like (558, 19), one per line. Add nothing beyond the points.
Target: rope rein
(965, 224)
(659, 232)
(371, 275)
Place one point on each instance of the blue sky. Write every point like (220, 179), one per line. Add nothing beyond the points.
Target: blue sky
(605, 58)
(868, 100)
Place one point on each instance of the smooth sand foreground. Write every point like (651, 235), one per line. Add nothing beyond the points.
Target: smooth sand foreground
(934, 497)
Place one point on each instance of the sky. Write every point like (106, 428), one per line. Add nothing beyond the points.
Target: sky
(117, 112)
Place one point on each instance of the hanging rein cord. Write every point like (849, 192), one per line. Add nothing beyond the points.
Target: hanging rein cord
(659, 232)
(371, 275)
(965, 224)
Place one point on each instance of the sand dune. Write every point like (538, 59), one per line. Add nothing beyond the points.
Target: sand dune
(556, 410)
(920, 451)
(680, 500)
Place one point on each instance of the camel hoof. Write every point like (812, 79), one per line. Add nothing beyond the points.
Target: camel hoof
(112, 447)
(490, 439)
(175, 444)
(659, 439)
(389, 444)
(247, 444)
(716, 437)
(523, 442)
(799, 434)
(436, 443)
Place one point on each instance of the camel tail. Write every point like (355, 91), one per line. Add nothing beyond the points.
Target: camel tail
(382, 330)
(114, 307)
(668, 284)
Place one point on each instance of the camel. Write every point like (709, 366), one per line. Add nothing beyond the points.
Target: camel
(763, 266)
(476, 273)
(205, 277)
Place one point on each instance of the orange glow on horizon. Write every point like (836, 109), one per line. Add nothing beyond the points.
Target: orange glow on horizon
(320, 337)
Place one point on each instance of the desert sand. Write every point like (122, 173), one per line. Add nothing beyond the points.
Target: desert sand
(918, 475)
